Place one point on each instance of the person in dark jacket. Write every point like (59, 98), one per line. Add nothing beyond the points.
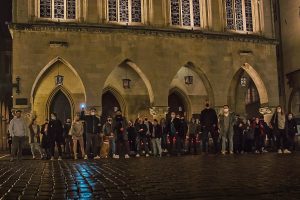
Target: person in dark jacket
(148, 133)
(141, 130)
(278, 123)
(34, 138)
(92, 125)
(67, 138)
(164, 137)
(238, 137)
(132, 134)
(193, 131)
(156, 138)
(173, 127)
(291, 131)
(120, 129)
(55, 131)
(180, 139)
(259, 135)
(209, 124)
(45, 144)
(108, 132)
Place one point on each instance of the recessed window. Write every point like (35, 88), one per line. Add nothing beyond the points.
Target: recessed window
(185, 13)
(125, 11)
(239, 15)
(58, 9)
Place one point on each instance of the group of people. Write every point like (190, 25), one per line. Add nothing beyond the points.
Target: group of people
(175, 136)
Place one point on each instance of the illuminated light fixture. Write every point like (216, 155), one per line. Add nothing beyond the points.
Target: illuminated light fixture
(188, 79)
(59, 79)
(243, 81)
(126, 82)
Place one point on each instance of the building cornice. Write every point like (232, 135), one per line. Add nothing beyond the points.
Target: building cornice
(141, 30)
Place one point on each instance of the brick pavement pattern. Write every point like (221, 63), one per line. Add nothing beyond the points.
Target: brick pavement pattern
(268, 176)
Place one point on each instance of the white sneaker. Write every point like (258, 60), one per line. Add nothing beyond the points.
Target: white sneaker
(85, 157)
(256, 151)
(223, 152)
(114, 156)
(52, 158)
(117, 156)
(127, 156)
(59, 158)
(279, 151)
(96, 157)
(147, 155)
(137, 155)
(75, 158)
(33, 157)
(286, 151)
(143, 152)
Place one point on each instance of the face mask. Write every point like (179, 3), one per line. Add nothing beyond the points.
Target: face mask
(173, 116)
(53, 118)
(92, 113)
(290, 117)
(226, 110)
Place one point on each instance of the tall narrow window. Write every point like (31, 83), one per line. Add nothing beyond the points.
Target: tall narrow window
(185, 13)
(239, 15)
(58, 9)
(125, 11)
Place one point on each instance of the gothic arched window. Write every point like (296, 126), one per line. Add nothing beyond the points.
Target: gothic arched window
(58, 9)
(185, 13)
(239, 15)
(125, 11)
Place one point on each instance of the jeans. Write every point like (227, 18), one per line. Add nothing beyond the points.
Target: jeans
(80, 140)
(126, 145)
(68, 145)
(164, 141)
(17, 146)
(204, 138)
(192, 141)
(138, 144)
(35, 146)
(92, 142)
(281, 139)
(179, 143)
(156, 146)
(112, 145)
(229, 138)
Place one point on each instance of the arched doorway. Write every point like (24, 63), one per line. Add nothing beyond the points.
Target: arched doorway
(61, 106)
(110, 105)
(176, 104)
(294, 102)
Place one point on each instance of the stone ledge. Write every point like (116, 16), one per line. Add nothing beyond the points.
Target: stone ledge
(141, 30)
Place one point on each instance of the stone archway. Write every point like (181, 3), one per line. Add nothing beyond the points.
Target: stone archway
(111, 102)
(179, 103)
(44, 88)
(294, 102)
(248, 99)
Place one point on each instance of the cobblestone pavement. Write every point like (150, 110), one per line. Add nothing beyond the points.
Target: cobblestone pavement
(268, 176)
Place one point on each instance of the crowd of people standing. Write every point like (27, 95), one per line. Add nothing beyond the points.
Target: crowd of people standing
(228, 133)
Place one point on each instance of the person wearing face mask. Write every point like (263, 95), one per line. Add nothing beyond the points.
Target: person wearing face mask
(132, 134)
(92, 123)
(67, 138)
(193, 131)
(55, 131)
(149, 133)
(259, 135)
(291, 131)
(278, 123)
(156, 139)
(108, 132)
(141, 130)
(173, 127)
(180, 140)
(226, 123)
(76, 132)
(209, 124)
(34, 138)
(119, 127)
(45, 144)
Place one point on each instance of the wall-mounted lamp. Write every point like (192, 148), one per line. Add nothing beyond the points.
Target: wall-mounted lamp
(17, 85)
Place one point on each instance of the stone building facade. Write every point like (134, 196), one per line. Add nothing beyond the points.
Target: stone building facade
(227, 47)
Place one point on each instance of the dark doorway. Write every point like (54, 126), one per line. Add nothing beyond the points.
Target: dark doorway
(176, 104)
(109, 105)
(61, 106)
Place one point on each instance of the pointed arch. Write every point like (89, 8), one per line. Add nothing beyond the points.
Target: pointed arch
(261, 88)
(44, 70)
(186, 100)
(143, 77)
(57, 89)
(118, 96)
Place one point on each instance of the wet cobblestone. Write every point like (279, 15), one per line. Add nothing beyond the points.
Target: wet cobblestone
(268, 176)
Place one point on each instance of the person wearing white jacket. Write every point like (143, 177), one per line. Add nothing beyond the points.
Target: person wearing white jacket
(18, 130)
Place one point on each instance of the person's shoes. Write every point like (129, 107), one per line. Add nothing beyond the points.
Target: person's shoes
(75, 158)
(85, 157)
(127, 156)
(59, 158)
(52, 158)
(279, 151)
(223, 152)
(231, 152)
(147, 155)
(114, 156)
(33, 157)
(257, 152)
(286, 151)
(96, 157)
(265, 151)
(117, 156)
(137, 155)
(12, 160)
